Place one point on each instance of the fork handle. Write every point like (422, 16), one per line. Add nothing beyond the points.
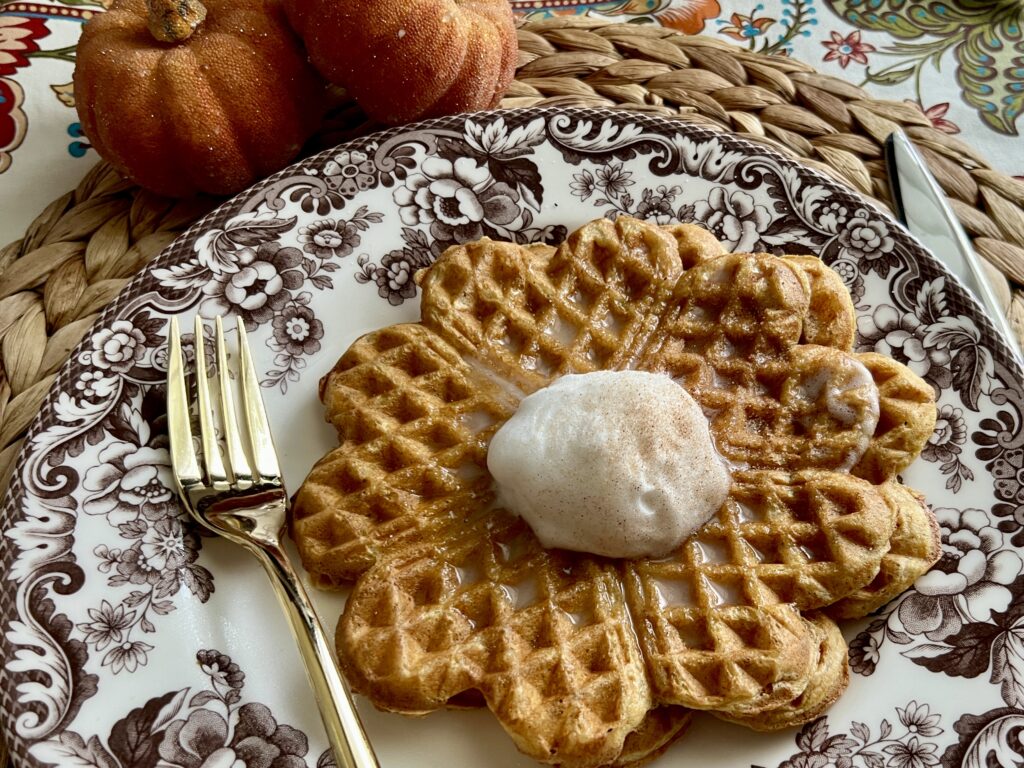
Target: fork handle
(345, 732)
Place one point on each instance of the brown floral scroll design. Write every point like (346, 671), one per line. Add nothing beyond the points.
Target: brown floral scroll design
(153, 551)
(480, 183)
(734, 216)
(1001, 447)
(212, 727)
(907, 742)
(102, 413)
(296, 331)
(245, 268)
(963, 619)
(344, 175)
(40, 642)
(946, 445)
(992, 738)
(943, 348)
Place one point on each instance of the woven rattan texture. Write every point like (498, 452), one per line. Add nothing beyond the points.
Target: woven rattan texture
(84, 246)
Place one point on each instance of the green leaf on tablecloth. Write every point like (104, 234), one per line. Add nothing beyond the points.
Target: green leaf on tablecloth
(909, 21)
(991, 71)
(890, 77)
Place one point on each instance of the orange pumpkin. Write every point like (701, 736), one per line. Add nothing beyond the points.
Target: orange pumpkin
(402, 60)
(183, 98)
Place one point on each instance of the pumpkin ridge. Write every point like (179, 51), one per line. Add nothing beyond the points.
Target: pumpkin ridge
(205, 135)
(295, 95)
(233, 102)
(509, 55)
(464, 42)
(246, 143)
(479, 70)
(404, 60)
(251, 138)
(123, 86)
(238, 136)
(448, 47)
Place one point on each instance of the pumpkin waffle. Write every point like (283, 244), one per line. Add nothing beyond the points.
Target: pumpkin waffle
(829, 321)
(830, 677)
(456, 602)
(906, 418)
(915, 546)
(532, 315)
(719, 621)
(413, 422)
(542, 635)
(659, 729)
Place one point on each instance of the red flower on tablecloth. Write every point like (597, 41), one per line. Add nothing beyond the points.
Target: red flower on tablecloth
(18, 37)
(937, 114)
(13, 123)
(847, 49)
(688, 16)
(744, 28)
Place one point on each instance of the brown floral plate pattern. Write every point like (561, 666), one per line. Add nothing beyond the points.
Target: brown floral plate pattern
(129, 640)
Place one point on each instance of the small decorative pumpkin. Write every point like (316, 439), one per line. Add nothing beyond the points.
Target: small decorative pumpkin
(402, 60)
(185, 98)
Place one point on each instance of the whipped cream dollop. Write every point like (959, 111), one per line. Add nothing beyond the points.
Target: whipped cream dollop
(614, 463)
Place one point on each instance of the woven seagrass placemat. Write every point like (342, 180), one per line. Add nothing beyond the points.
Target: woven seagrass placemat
(81, 250)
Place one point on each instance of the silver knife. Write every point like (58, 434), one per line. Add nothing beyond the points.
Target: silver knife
(923, 209)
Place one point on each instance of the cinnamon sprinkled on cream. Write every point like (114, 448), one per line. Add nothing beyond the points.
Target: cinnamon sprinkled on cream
(615, 463)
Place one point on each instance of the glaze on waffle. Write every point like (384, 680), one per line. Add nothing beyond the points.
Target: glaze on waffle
(906, 419)
(457, 603)
(719, 622)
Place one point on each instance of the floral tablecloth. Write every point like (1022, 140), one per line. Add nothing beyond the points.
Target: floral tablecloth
(962, 60)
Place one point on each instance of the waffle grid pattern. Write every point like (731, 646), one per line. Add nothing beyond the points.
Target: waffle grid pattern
(829, 679)
(413, 423)
(440, 617)
(913, 548)
(721, 614)
(543, 635)
(586, 307)
(906, 411)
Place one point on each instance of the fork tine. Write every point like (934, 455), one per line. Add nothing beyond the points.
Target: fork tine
(238, 464)
(179, 428)
(215, 471)
(260, 440)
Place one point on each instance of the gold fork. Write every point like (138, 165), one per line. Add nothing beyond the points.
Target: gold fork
(245, 502)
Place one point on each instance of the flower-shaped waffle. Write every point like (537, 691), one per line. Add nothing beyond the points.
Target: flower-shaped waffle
(457, 603)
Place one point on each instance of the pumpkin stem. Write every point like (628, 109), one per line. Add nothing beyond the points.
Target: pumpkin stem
(172, 21)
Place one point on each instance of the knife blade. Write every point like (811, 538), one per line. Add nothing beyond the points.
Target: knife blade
(922, 208)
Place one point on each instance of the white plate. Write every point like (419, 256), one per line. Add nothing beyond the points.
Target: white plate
(129, 641)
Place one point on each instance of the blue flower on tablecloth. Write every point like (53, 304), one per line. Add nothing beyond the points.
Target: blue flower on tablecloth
(77, 148)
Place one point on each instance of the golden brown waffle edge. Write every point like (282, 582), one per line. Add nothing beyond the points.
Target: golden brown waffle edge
(501, 321)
